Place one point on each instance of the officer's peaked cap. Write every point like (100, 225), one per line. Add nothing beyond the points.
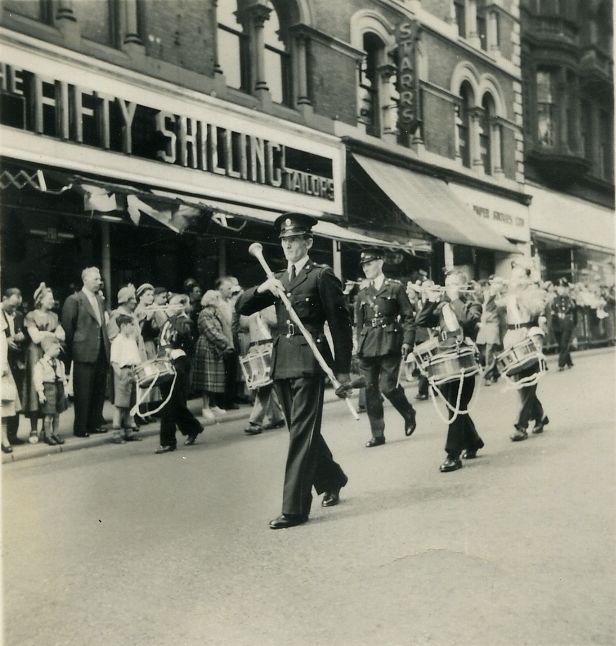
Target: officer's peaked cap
(294, 224)
(370, 254)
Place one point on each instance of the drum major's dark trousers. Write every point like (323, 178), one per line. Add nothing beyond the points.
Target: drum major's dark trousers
(531, 408)
(309, 460)
(462, 433)
(381, 376)
(176, 413)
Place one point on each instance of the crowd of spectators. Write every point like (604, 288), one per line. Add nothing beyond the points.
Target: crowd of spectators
(87, 351)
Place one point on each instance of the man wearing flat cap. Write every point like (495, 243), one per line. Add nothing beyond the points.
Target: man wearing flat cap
(384, 327)
(564, 320)
(316, 296)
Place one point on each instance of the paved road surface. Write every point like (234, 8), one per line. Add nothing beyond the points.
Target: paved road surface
(115, 545)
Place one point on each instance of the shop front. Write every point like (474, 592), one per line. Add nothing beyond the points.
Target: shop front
(104, 166)
(575, 239)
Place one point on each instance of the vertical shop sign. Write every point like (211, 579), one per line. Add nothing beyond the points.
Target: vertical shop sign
(409, 116)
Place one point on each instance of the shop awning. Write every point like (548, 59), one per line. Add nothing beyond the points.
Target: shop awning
(433, 206)
(570, 220)
(322, 228)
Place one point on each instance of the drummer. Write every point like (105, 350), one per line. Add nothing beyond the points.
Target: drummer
(525, 304)
(458, 320)
(384, 325)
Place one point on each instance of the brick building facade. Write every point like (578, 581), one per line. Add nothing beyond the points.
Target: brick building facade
(244, 109)
(569, 115)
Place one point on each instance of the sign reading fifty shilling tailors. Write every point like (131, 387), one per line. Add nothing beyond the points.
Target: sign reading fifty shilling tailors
(198, 139)
(409, 110)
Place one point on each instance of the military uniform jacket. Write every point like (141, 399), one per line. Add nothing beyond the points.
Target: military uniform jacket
(316, 296)
(468, 314)
(384, 319)
(564, 312)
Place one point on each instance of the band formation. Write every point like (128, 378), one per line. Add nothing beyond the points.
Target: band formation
(315, 341)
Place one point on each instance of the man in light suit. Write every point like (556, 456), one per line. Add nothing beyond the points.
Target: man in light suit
(83, 320)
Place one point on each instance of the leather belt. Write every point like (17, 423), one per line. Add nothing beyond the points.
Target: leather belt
(379, 322)
(261, 342)
(518, 326)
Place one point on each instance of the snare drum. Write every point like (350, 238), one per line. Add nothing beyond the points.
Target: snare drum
(518, 357)
(160, 370)
(424, 353)
(452, 365)
(256, 366)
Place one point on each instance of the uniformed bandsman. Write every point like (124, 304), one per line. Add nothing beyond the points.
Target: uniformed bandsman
(316, 296)
(384, 327)
(564, 320)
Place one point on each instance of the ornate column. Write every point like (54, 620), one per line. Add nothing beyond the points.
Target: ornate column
(563, 100)
(66, 21)
(476, 115)
(131, 41)
(253, 17)
(301, 67)
(496, 148)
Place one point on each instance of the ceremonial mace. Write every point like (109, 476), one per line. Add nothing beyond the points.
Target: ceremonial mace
(256, 250)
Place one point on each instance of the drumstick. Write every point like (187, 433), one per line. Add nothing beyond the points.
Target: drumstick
(256, 250)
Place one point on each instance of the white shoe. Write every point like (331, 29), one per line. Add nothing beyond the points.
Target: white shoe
(208, 415)
(33, 439)
(218, 411)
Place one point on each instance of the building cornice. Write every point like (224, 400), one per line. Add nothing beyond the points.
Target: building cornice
(434, 170)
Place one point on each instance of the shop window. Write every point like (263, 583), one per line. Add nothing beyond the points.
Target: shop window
(97, 20)
(546, 107)
(232, 46)
(276, 60)
(368, 84)
(460, 15)
(606, 157)
(463, 123)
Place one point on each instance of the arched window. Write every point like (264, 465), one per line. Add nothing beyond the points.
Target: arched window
(276, 61)
(232, 46)
(369, 105)
(463, 123)
(485, 132)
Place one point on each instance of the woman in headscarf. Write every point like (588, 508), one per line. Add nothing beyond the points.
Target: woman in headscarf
(38, 323)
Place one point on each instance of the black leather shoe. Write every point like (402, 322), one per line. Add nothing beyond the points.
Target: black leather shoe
(84, 434)
(48, 439)
(164, 449)
(331, 498)
(375, 441)
(6, 448)
(287, 520)
(539, 425)
(410, 424)
(57, 438)
(16, 441)
(421, 397)
(98, 430)
(451, 464)
(269, 427)
(470, 454)
(518, 435)
(253, 429)
(190, 439)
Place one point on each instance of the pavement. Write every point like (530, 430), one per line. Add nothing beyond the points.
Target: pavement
(71, 443)
(120, 546)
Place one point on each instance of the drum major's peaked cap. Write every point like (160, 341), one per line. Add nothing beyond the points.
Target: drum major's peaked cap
(370, 254)
(294, 224)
